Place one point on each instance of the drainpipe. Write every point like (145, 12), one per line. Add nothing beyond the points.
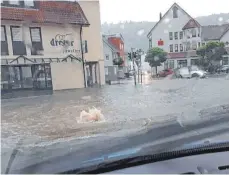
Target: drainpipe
(82, 55)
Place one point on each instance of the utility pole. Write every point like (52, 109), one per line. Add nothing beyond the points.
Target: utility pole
(132, 56)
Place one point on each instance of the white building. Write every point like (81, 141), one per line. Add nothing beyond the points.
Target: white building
(180, 36)
(41, 45)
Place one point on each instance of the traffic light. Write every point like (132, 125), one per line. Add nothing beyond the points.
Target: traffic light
(129, 56)
(134, 54)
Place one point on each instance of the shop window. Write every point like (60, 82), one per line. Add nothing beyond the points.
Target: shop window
(182, 63)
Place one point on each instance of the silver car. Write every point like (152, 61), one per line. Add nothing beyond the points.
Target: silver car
(190, 72)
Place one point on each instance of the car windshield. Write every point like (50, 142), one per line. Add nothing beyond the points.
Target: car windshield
(90, 78)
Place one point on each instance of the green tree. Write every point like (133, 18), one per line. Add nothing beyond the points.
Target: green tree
(212, 51)
(155, 57)
(118, 61)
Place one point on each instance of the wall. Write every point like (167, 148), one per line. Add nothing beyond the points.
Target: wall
(169, 24)
(67, 75)
(48, 32)
(93, 35)
(107, 51)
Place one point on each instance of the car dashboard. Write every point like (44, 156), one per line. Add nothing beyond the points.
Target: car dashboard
(213, 163)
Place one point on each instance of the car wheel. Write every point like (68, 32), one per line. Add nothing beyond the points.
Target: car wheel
(195, 75)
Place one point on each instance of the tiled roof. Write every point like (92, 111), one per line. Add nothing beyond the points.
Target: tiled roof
(214, 32)
(48, 12)
(105, 40)
(192, 23)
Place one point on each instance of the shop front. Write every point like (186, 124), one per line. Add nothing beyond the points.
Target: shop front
(25, 77)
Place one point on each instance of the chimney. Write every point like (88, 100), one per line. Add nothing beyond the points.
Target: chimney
(160, 16)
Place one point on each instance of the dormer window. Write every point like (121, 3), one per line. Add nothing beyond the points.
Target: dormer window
(175, 12)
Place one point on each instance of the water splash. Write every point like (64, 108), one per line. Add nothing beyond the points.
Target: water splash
(93, 115)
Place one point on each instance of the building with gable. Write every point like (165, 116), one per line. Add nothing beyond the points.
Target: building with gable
(180, 36)
(48, 45)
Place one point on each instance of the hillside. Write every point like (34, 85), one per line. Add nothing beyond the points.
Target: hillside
(135, 33)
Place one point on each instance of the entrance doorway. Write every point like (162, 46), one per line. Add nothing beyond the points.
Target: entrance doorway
(91, 73)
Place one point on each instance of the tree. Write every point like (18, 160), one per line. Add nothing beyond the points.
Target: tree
(155, 57)
(118, 61)
(212, 51)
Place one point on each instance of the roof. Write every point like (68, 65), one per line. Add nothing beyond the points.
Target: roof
(192, 23)
(105, 40)
(214, 32)
(60, 12)
(175, 4)
(117, 35)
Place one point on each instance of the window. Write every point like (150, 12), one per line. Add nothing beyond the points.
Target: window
(199, 44)
(181, 48)
(176, 35)
(225, 61)
(188, 46)
(193, 32)
(36, 40)
(182, 63)
(29, 3)
(181, 35)
(171, 35)
(194, 45)
(171, 48)
(107, 57)
(195, 62)
(106, 70)
(17, 41)
(175, 14)
(4, 43)
(176, 47)
(150, 43)
(14, 2)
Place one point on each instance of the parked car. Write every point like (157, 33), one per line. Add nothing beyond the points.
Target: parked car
(165, 72)
(224, 68)
(190, 72)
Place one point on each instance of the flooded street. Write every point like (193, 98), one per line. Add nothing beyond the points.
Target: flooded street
(125, 108)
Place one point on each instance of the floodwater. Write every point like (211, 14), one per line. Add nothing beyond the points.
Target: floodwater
(124, 106)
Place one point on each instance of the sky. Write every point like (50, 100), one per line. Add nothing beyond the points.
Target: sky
(114, 11)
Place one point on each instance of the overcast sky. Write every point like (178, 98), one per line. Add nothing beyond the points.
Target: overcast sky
(148, 10)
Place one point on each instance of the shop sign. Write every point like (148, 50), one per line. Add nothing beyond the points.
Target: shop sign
(64, 41)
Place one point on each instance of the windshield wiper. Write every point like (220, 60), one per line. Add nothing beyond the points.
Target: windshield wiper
(13, 156)
(140, 160)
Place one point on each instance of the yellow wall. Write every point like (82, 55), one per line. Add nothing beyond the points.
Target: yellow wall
(67, 75)
(92, 34)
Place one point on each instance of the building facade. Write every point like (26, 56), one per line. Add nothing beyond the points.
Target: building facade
(113, 47)
(180, 36)
(43, 47)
